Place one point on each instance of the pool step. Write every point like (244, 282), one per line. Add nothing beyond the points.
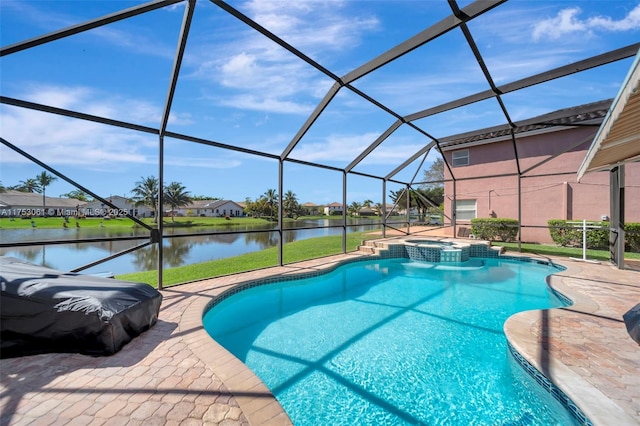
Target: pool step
(380, 248)
(368, 247)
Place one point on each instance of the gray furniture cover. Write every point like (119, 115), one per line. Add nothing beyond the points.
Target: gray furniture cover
(43, 310)
(632, 322)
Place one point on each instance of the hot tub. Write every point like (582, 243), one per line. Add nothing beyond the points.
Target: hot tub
(430, 250)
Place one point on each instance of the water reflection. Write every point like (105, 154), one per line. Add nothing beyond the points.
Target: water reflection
(177, 251)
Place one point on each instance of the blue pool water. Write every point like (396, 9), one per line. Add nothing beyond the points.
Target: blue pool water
(393, 342)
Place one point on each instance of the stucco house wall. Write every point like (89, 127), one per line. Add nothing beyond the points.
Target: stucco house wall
(333, 208)
(211, 208)
(548, 191)
(123, 206)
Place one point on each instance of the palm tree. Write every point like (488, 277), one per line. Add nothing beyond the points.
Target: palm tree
(78, 194)
(259, 207)
(354, 208)
(290, 204)
(146, 193)
(2, 188)
(44, 179)
(29, 185)
(377, 208)
(271, 201)
(175, 195)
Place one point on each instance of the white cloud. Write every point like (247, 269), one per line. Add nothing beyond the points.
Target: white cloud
(345, 148)
(334, 148)
(95, 102)
(568, 21)
(257, 74)
(59, 140)
(316, 26)
(133, 39)
(204, 162)
(267, 104)
(56, 139)
(629, 22)
(504, 69)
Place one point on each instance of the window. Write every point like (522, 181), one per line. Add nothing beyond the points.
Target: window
(465, 209)
(460, 158)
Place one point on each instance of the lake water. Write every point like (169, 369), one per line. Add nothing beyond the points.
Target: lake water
(178, 251)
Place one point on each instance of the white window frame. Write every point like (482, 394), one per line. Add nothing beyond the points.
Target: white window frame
(466, 209)
(460, 158)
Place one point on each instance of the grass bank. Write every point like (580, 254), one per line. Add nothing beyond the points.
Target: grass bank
(118, 222)
(292, 252)
(97, 222)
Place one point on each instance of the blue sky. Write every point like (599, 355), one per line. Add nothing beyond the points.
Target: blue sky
(238, 88)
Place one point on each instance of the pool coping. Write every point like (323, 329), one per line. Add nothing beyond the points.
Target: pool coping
(594, 405)
(260, 407)
(256, 401)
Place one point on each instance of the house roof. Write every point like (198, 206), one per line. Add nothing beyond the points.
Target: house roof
(208, 204)
(618, 139)
(18, 198)
(588, 114)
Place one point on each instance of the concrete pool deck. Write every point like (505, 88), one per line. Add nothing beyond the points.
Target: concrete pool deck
(175, 374)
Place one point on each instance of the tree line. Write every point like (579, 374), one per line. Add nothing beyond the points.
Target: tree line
(146, 190)
(428, 198)
(37, 184)
(267, 205)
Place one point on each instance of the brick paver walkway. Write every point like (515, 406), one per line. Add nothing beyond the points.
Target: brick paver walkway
(174, 374)
(585, 348)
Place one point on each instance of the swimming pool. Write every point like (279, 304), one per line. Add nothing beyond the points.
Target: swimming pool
(393, 342)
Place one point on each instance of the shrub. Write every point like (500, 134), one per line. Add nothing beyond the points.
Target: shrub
(494, 229)
(598, 237)
(563, 233)
(632, 234)
(569, 233)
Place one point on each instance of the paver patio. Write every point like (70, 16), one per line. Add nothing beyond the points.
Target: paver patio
(174, 374)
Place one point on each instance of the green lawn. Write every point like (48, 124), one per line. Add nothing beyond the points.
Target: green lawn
(314, 248)
(292, 252)
(551, 250)
(94, 222)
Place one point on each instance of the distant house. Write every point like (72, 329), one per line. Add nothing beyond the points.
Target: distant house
(332, 209)
(367, 211)
(28, 204)
(123, 207)
(211, 208)
(312, 209)
(537, 171)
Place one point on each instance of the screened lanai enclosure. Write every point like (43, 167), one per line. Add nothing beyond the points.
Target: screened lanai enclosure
(275, 102)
